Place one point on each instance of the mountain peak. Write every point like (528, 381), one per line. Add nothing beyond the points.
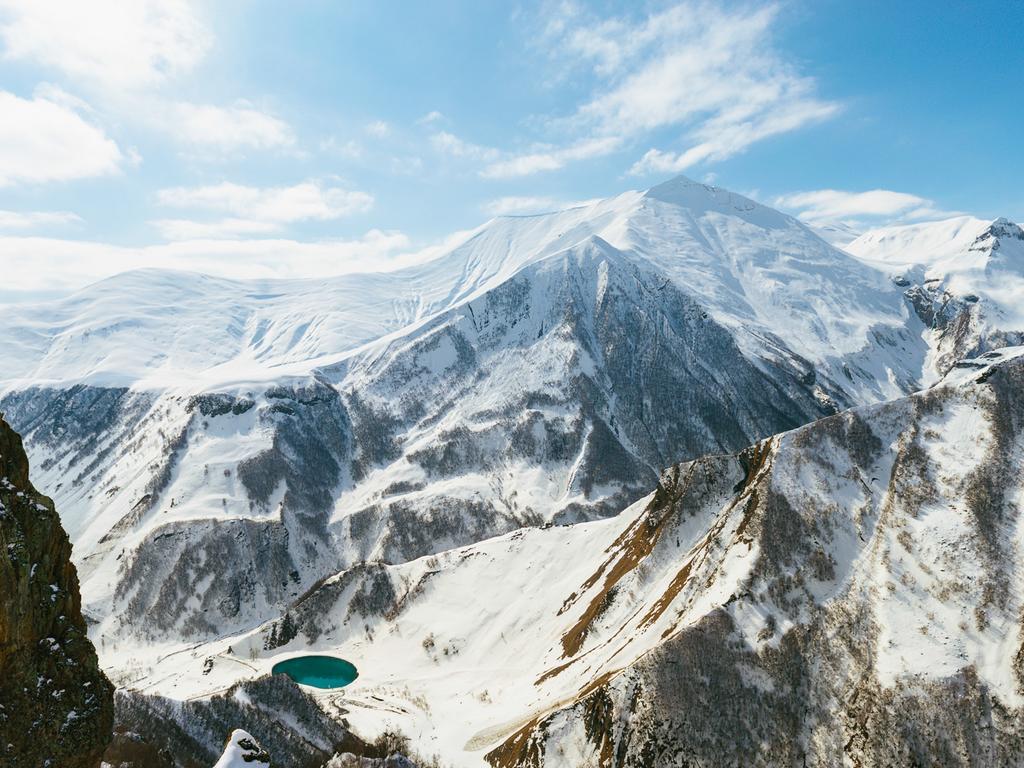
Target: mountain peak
(700, 198)
(685, 191)
(1003, 227)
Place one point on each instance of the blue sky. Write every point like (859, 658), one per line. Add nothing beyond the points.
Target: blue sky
(258, 138)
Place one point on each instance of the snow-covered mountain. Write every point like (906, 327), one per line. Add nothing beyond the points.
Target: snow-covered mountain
(964, 277)
(760, 273)
(224, 452)
(873, 567)
(849, 591)
(241, 440)
(545, 369)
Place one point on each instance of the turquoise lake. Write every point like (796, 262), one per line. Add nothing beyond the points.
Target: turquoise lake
(317, 671)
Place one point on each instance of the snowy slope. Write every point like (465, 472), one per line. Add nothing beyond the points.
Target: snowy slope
(881, 624)
(545, 369)
(759, 272)
(850, 591)
(456, 627)
(964, 277)
(756, 270)
(530, 403)
(964, 255)
(155, 329)
(218, 447)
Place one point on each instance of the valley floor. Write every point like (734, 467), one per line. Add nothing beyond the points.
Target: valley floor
(457, 670)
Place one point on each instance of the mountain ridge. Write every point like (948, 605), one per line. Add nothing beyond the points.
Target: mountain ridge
(344, 305)
(226, 452)
(797, 570)
(514, 391)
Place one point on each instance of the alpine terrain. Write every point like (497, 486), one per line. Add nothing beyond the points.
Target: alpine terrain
(662, 479)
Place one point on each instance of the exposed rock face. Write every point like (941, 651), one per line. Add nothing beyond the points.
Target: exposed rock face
(880, 621)
(56, 706)
(959, 326)
(262, 533)
(348, 760)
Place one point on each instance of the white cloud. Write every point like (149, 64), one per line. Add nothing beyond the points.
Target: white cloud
(43, 140)
(31, 219)
(709, 70)
(117, 44)
(308, 200)
(240, 126)
(549, 160)
(429, 118)
(378, 128)
(126, 49)
(449, 144)
(256, 210)
(720, 139)
(504, 165)
(859, 209)
(515, 205)
(350, 149)
(57, 95)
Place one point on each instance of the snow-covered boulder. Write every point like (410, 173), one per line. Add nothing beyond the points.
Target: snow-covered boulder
(243, 751)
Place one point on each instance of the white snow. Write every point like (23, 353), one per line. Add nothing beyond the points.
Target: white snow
(477, 650)
(239, 752)
(478, 635)
(961, 255)
(759, 272)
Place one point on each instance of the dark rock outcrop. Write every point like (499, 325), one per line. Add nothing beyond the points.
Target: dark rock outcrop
(56, 706)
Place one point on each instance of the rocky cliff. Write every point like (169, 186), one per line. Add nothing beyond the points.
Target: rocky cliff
(56, 706)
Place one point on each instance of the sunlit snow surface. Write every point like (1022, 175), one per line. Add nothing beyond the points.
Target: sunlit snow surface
(752, 267)
(241, 751)
(958, 255)
(476, 648)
